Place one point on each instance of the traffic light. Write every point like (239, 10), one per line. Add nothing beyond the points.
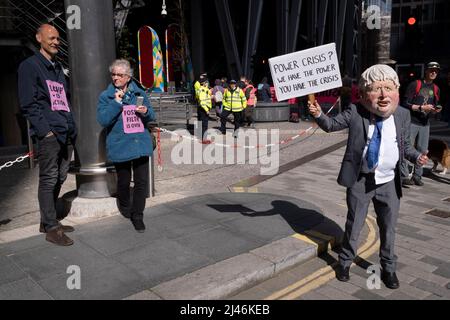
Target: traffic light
(412, 21)
(252, 62)
(413, 32)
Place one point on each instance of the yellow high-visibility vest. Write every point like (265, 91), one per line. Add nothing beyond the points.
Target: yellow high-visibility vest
(204, 98)
(234, 101)
(197, 87)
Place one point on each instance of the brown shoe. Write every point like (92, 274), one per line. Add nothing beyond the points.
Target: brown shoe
(66, 229)
(58, 237)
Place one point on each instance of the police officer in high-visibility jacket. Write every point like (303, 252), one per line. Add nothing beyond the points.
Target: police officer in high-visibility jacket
(234, 101)
(204, 106)
(197, 86)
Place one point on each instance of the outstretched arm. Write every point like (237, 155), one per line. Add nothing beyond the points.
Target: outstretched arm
(330, 124)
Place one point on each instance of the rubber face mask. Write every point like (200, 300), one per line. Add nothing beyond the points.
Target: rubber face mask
(381, 98)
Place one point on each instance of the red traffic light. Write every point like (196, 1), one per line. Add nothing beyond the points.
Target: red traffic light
(412, 21)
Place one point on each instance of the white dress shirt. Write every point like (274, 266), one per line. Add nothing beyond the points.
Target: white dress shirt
(389, 153)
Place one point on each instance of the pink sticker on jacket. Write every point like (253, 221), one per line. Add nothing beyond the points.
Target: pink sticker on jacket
(58, 96)
(131, 122)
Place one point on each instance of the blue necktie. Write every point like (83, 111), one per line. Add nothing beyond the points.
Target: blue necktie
(374, 146)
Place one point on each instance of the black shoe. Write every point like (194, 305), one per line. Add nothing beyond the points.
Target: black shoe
(407, 182)
(343, 273)
(138, 225)
(390, 280)
(417, 181)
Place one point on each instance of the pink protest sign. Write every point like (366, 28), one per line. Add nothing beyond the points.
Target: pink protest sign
(131, 122)
(58, 96)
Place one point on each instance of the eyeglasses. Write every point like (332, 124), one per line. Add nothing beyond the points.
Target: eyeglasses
(120, 75)
(433, 70)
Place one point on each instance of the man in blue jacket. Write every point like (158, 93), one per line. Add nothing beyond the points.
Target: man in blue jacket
(44, 101)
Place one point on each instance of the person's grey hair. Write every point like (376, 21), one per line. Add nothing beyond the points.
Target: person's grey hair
(378, 72)
(124, 64)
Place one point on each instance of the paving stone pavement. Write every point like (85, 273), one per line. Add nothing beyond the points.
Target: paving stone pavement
(227, 238)
(31, 268)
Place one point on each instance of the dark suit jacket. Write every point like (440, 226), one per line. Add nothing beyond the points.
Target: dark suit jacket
(357, 120)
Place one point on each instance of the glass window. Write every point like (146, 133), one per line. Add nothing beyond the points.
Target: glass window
(406, 12)
(441, 12)
(396, 15)
(427, 12)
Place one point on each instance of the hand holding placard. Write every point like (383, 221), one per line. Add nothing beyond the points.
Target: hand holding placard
(314, 109)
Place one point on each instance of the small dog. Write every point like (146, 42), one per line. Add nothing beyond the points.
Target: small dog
(439, 152)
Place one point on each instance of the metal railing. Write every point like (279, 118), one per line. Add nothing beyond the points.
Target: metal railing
(172, 108)
(121, 11)
(28, 15)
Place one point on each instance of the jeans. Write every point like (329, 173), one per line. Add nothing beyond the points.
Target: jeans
(419, 138)
(140, 176)
(54, 161)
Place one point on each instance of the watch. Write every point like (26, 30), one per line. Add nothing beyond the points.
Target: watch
(420, 108)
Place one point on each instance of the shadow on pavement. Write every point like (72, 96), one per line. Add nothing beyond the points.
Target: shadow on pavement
(299, 219)
(333, 262)
(436, 177)
(13, 181)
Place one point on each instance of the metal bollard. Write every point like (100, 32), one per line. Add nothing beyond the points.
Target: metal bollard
(151, 171)
(151, 181)
(30, 147)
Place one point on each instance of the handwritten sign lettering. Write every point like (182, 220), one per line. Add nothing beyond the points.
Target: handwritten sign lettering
(58, 98)
(131, 122)
(305, 72)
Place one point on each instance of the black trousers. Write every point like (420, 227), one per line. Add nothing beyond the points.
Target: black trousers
(54, 161)
(223, 120)
(140, 177)
(204, 118)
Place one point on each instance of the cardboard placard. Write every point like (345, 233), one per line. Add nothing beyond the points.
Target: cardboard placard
(305, 72)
